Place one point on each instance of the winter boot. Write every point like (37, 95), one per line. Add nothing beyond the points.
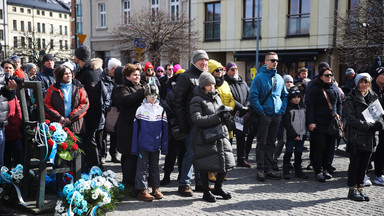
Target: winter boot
(157, 193)
(354, 194)
(145, 196)
(361, 191)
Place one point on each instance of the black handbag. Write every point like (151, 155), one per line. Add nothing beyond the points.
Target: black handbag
(335, 129)
(213, 133)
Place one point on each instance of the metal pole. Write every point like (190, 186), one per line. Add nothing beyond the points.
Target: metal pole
(257, 36)
(189, 33)
(5, 33)
(75, 24)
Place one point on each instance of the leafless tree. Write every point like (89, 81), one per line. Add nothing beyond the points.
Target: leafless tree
(163, 36)
(361, 35)
(34, 45)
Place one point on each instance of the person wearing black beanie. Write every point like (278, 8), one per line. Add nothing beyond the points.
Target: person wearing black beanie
(45, 76)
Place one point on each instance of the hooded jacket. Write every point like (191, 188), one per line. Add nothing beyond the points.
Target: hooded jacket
(261, 85)
(209, 157)
(45, 76)
(240, 91)
(294, 121)
(150, 129)
(5, 96)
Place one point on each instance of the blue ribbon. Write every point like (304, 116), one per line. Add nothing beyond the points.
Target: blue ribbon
(53, 152)
(94, 170)
(100, 203)
(17, 189)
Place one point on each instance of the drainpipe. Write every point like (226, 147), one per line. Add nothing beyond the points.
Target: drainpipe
(90, 26)
(334, 30)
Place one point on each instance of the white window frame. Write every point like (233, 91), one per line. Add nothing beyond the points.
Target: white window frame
(175, 14)
(102, 16)
(154, 8)
(127, 12)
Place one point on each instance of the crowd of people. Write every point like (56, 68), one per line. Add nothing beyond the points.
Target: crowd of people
(194, 116)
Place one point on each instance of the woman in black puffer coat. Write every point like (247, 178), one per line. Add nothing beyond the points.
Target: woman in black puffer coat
(361, 134)
(215, 156)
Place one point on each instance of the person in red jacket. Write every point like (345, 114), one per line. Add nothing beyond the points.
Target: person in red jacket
(18, 71)
(66, 101)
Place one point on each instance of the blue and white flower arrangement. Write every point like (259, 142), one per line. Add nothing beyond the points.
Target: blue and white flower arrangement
(10, 181)
(94, 194)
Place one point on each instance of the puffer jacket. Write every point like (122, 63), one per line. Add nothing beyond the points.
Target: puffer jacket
(261, 85)
(209, 157)
(89, 76)
(226, 95)
(127, 97)
(55, 108)
(5, 96)
(45, 76)
(360, 135)
(13, 129)
(240, 91)
(183, 96)
(294, 121)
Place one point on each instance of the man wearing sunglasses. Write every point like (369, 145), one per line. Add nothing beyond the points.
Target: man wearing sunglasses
(268, 97)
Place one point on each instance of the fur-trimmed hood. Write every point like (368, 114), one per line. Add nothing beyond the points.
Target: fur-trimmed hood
(96, 63)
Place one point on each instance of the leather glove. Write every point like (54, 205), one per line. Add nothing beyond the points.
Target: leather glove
(243, 111)
(224, 116)
(378, 125)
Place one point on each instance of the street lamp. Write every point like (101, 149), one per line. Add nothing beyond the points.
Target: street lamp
(366, 26)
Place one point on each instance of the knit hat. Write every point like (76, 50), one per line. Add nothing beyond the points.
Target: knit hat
(287, 78)
(322, 64)
(160, 68)
(82, 53)
(229, 65)
(292, 92)
(148, 65)
(199, 54)
(176, 68)
(378, 71)
(213, 65)
(305, 81)
(68, 65)
(135, 62)
(15, 58)
(48, 57)
(180, 71)
(349, 71)
(205, 79)
(29, 67)
(151, 89)
(361, 76)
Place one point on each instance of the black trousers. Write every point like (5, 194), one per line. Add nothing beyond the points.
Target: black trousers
(241, 145)
(176, 149)
(113, 144)
(379, 156)
(128, 167)
(101, 140)
(358, 164)
(323, 144)
(218, 184)
(91, 157)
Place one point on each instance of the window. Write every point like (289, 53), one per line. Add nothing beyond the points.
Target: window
(22, 42)
(298, 17)
(154, 8)
(51, 29)
(22, 25)
(61, 44)
(80, 27)
(60, 15)
(127, 12)
(251, 8)
(13, 9)
(15, 42)
(43, 27)
(1, 34)
(66, 45)
(50, 14)
(43, 43)
(29, 26)
(352, 4)
(61, 29)
(29, 11)
(38, 27)
(103, 17)
(212, 21)
(51, 44)
(21, 10)
(43, 13)
(65, 30)
(38, 12)
(30, 43)
(174, 9)
(1, 13)
(38, 43)
(15, 25)
(65, 16)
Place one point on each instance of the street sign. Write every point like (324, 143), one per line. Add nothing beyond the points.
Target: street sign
(81, 38)
(253, 72)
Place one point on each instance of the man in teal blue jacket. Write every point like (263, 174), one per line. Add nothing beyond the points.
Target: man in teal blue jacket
(269, 113)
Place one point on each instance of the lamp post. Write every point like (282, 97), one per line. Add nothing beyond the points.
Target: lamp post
(366, 26)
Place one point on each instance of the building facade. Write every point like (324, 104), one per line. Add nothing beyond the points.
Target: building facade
(37, 27)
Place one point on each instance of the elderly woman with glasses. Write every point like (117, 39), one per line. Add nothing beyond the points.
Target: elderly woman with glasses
(319, 117)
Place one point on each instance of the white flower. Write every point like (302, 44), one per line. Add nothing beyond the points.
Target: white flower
(61, 209)
(4, 169)
(6, 197)
(106, 200)
(81, 190)
(64, 214)
(87, 186)
(95, 196)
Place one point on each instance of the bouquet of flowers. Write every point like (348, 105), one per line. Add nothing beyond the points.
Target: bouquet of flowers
(94, 194)
(10, 181)
(57, 140)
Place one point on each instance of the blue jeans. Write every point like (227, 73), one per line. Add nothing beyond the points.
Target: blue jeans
(187, 166)
(299, 147)
(2, 146)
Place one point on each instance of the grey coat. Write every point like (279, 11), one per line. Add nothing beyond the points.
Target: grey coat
(209, 157)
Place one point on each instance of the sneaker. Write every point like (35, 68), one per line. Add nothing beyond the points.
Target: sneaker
(354, 194)
(272, 175)
(319, 177)
(327, 175)
(185, 190)
(260, 176)
(379, 180)
(367, 181)
(220, 192)
(364, 195)
(208, 196)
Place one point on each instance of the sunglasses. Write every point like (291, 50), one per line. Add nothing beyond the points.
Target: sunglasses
(160, 71)
(328, 75)
(170, 69)
(154, 95)
(218, 70)
(273, 60)
(233, 69)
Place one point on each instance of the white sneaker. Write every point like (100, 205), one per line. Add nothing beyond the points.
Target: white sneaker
(379, 180)
(367, 181)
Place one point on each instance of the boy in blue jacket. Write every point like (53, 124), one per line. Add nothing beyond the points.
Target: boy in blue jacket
(150, 135)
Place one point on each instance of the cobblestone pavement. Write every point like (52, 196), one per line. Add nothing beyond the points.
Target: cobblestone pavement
(272, 197)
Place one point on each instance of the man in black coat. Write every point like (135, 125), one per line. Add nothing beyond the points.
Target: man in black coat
(45, 76)
(89, 75)
(163, 81)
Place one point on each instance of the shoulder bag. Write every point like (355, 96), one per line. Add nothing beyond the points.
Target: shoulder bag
(335, 129)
